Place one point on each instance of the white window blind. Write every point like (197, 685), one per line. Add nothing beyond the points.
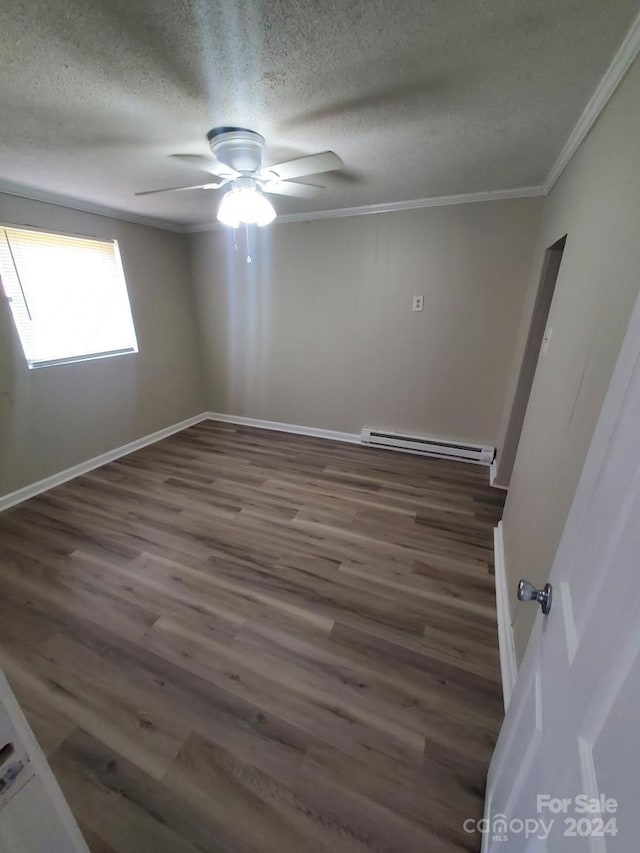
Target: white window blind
(67, 294)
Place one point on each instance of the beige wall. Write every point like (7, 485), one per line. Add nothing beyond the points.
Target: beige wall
(597, 204)
(55, 417)
(318, 329)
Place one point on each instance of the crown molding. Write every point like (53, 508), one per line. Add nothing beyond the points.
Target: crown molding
(69, 202)
(33, 194)
(389, 207)
(618, 67)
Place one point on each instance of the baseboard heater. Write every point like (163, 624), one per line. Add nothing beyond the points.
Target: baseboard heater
(427, 446)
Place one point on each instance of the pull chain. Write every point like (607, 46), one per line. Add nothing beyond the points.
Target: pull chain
(246, 227)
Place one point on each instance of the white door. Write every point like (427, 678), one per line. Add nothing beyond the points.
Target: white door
(34, 816)
(565, 774)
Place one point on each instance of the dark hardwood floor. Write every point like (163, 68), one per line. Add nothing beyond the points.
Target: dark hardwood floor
(237, 640)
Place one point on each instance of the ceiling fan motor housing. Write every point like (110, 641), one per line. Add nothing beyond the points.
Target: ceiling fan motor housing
(237, 147)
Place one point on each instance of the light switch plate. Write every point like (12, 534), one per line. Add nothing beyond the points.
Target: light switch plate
(418, 303)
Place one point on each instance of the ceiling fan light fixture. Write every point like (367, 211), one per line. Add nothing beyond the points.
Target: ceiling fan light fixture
(245, 203)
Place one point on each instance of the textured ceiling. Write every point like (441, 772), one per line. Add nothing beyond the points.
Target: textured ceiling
(419, 97)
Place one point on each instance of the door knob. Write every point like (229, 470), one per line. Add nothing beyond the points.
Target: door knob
(544, 597)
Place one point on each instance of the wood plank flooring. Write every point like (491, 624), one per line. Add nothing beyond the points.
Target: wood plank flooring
(239, 641)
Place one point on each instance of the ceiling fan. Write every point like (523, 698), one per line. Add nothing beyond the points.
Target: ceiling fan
(237, 162)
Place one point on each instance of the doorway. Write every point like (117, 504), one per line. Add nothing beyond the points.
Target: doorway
(538, 329)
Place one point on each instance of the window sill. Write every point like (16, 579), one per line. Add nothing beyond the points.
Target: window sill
(37, 365)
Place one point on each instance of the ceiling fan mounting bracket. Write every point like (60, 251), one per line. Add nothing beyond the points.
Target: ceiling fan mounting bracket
(237, 147)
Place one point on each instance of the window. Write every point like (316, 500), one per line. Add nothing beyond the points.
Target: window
(68, 296)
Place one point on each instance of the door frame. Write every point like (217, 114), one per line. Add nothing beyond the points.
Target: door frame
(538, 325)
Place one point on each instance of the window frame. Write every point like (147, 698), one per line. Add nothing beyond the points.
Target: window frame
(10, 298)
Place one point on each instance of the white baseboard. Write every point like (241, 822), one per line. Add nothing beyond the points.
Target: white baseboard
(33, 489)
(332, 435)
(486, 816)
(493, 473)
(508, 665)
(316, 432)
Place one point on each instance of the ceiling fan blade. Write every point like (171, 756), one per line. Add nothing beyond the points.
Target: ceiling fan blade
(209, 186)
(209, 164)
(291, 188)
(326, 161)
